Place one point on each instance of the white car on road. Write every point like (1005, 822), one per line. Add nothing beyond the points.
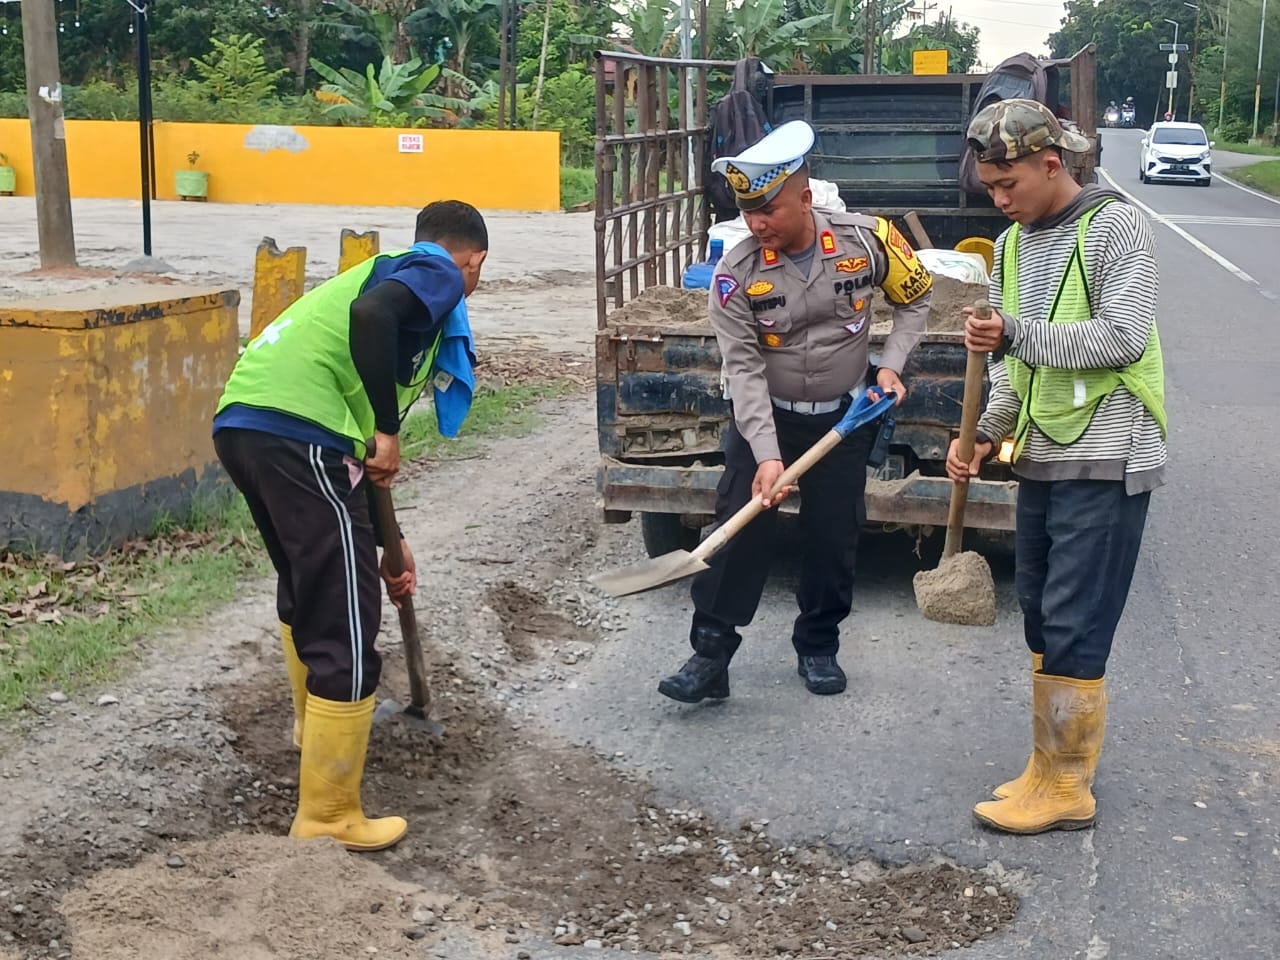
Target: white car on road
(1176, 151)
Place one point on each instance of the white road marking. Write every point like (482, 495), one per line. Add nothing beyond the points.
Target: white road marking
(1204, 248)
(1222, 221)
(1240, 186)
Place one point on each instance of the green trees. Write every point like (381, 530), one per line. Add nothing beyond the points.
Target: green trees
(1130, 63)
(434, 62)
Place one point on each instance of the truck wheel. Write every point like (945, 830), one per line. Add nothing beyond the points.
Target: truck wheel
(665, 532)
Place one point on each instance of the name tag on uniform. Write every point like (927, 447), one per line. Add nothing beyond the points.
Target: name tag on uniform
(767, 303)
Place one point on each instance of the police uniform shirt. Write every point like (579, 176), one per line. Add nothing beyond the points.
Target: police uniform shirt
(805, 335)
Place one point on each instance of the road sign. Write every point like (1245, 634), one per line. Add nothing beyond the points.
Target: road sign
(1171, 80)
(1173, 58)
(1176, 47)
(929, 61)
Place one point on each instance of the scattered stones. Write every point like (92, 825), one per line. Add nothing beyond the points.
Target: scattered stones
(57, 697)
(914, 934)
(175, 862)
(107, 700)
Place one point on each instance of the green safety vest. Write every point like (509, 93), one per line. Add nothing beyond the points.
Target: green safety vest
(301, 363)
(1061, 402)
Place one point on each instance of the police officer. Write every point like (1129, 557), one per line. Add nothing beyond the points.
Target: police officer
(791, 310)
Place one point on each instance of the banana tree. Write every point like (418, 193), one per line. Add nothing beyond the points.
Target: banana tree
(398, 90)
(367, 25)
(761, 30)
(462, 21)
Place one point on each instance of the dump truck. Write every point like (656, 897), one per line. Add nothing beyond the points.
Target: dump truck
(892, 146)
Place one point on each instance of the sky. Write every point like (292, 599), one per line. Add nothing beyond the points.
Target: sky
(1008, 26)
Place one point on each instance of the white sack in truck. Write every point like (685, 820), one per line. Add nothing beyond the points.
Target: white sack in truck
(965, 267)
(826, 198)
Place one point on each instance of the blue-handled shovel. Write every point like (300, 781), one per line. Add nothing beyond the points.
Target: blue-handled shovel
(679, 564)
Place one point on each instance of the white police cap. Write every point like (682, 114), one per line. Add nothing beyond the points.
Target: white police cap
(758, 172)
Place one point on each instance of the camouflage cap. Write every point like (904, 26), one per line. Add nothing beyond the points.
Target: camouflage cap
(1011, 129)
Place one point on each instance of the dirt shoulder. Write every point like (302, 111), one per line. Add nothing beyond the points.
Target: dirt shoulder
(158, 819)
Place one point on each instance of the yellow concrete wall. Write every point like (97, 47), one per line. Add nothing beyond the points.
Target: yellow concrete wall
(108, 389)
(492, 169)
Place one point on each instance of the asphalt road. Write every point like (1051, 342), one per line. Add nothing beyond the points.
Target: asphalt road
(1185, 859)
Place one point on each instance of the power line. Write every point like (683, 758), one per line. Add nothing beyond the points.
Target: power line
(961, 17)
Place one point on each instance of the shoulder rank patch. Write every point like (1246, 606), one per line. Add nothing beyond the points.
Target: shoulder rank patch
(852, 265)
(828, 242)
(726, 287)
(860, 303)
(759, 288)
(771, 340)
(770, 256)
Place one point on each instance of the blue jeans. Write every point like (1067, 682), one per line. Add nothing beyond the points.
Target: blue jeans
(1077, 545)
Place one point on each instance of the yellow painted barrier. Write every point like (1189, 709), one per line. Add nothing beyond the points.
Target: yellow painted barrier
(108, 396)
(355, 248)
(279, 279)
(492, 169)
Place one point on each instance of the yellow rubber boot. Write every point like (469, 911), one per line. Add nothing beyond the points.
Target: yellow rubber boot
(1069, 717)
(297, 681)
(334, 740)
(1019, 783)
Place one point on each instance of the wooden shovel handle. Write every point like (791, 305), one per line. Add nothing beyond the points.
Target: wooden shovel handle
(974, 368)
(730, 527)
(384, 518)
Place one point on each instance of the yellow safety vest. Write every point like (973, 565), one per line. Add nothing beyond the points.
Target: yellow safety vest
(1061, 402)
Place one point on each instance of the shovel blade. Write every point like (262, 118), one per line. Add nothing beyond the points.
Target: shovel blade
(411, 715)
(649, 574)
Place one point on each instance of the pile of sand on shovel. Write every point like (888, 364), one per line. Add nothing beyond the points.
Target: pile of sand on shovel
(960, 591)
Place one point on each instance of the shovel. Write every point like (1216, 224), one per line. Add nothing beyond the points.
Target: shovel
(678, 564)
(417, 713)
(961, 590)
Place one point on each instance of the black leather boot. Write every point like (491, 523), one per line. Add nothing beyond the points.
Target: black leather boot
(822, 675)
(706, 674)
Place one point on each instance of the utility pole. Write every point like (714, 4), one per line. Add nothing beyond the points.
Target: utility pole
(1257, 86)
(502, 67)
(1191, 67)
(513, 59)
(868, 40)
(1222, 95)
(48, 134)
(922, 12)
(145, 151)
(1173, 65)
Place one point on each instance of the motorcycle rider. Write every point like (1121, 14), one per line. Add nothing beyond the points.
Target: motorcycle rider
(1128, 112)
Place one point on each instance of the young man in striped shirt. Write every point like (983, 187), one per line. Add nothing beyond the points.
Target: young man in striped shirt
(1077, 382)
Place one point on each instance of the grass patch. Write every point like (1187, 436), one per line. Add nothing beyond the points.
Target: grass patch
(68, 626)
(1264, 176)
(1257, 150)
(505, 412)
(577, 185)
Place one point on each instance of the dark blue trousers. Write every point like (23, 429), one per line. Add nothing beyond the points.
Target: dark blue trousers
(832, 511)
(1077, 545)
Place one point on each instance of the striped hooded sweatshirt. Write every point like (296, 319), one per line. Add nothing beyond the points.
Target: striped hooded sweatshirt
(1123, 440)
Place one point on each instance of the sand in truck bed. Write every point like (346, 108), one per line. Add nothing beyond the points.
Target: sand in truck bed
(668, 308)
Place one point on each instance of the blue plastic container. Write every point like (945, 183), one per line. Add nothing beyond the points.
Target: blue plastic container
(699, 275)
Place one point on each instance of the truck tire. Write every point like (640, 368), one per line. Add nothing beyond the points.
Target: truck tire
(665, 532)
